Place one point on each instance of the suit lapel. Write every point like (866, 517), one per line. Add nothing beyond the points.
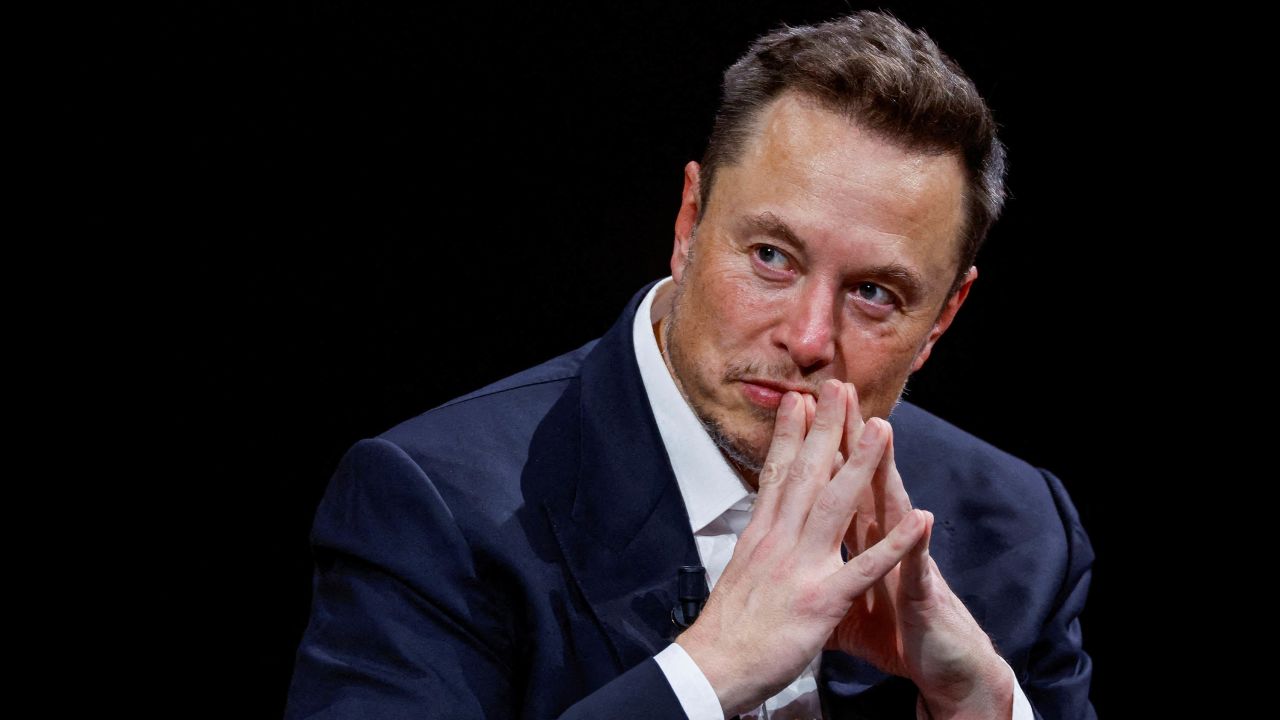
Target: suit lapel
(624, 531)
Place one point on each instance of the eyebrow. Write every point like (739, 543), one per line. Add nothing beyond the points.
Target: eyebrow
(766, 223)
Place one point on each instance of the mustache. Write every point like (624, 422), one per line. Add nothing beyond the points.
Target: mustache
(784, 374)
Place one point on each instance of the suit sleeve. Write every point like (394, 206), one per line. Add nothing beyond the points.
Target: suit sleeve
(401, 624)
(1059, 671)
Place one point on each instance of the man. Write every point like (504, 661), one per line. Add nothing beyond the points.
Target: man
(515, 552)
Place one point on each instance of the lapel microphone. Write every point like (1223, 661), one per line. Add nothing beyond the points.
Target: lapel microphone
(691, 595)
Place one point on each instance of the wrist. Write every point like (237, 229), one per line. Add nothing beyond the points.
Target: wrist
(985, 693)
(732, 687)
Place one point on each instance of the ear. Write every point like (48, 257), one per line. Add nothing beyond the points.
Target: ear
(948, 314)
(686, 220)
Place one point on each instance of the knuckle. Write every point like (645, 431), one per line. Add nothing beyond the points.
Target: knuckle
(829, 502)
(865, 459)
(772, 473)
(865, 569)
(801, 469)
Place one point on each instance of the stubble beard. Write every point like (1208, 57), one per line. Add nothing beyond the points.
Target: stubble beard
(683, 369)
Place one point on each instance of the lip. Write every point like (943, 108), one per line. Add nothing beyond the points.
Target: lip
(767, 393)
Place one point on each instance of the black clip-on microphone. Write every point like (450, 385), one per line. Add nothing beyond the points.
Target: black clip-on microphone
(691, 595)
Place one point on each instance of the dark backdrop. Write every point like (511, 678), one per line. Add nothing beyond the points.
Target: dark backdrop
(378, 207)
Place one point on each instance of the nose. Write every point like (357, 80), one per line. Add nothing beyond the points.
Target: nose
(807, 328)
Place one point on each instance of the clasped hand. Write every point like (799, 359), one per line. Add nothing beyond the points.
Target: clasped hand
(786, 594)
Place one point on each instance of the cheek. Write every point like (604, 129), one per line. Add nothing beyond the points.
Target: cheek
(878, 360)
(716, 312)
(873, 345)
(741, 304)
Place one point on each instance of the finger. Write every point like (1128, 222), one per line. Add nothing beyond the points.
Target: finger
(810, 410)
(853, 423)
(837, 463)
(868, 505)
(917, 568)
(854, 426)
(810, 471)
(892, 501)
(863, 517)
(852, 534)
(833, 507)
(861, 573)
(788, 436)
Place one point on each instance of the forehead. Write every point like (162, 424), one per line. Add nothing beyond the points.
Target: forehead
(843, 184)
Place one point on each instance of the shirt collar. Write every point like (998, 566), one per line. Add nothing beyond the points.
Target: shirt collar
(708, 483)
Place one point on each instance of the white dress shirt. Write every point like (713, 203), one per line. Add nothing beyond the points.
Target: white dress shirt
(719, 504)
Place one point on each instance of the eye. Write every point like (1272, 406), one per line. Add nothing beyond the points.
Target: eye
(874, 294)
(771, 256)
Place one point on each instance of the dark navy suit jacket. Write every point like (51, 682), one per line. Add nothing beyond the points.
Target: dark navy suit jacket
(513, 554)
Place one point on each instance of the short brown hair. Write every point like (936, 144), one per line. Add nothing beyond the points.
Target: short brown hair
(888, 78)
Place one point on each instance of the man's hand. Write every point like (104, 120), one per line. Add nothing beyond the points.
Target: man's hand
(911, 624)
(786, 588)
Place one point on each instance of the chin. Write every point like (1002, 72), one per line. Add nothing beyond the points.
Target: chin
(747, 445)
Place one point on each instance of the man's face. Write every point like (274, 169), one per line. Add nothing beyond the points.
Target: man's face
(825, 252)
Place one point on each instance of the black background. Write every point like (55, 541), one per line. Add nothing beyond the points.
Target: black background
(375, 208)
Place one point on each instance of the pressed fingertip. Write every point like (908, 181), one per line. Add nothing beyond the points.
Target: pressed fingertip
(789, 400)
(871, 432)
(922, 545)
